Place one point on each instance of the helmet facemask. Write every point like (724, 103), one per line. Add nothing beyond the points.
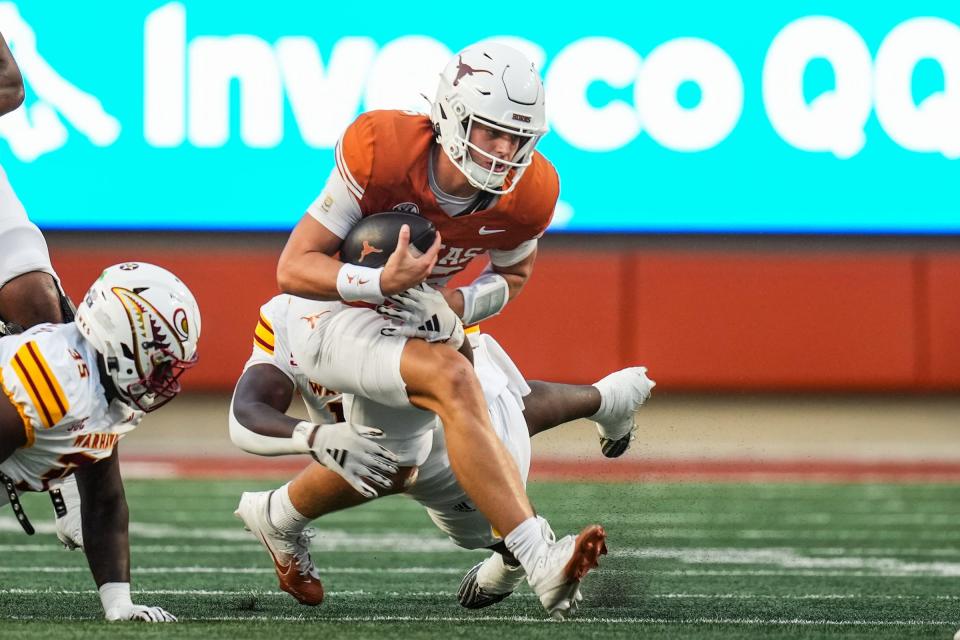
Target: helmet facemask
(491, 179)
(162, 384)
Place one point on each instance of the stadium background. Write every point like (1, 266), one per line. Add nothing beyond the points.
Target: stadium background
(788, 271)
(670, 132)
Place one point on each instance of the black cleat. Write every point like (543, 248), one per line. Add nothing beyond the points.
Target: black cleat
(472, 596)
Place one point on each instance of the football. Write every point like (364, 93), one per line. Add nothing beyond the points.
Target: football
(374, 238)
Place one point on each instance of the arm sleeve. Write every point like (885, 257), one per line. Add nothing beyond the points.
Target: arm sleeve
(336, 208)
(511, 257)
(253, 442)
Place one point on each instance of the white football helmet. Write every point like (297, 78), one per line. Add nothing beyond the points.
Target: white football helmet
(145, 324)
(497, 86)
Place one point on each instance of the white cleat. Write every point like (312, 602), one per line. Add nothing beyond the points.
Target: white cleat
(557, 575)
(489, 582)
(290, 551)
(623, 393)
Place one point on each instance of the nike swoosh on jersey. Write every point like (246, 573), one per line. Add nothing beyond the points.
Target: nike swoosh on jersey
(485, 232)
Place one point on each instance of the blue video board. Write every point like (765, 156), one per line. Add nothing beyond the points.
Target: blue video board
(703, 117)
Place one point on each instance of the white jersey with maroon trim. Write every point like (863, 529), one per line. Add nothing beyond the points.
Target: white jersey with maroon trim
(436, 487)
(49, 373)
(271, 345)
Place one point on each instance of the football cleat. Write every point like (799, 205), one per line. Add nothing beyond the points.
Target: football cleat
(290, 551)
(489, 582)
(623, 393)
(556, 577)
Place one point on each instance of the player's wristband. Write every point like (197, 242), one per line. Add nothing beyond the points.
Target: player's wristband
(484, 298)
(114, 595)
(303, 436)
(356, 283)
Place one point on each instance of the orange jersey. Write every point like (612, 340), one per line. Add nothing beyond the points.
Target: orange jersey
(383, 157)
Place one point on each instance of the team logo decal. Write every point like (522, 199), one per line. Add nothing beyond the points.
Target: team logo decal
(129, 266)
(151, 329)
(327, 203)
(180, 323)
(367, 250)
(406, 207)
(312, 319)
(463, 69)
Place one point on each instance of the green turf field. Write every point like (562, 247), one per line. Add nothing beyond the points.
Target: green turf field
(687, 561)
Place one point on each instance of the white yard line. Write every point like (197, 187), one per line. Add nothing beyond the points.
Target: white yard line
(175, 549)
(798, 573)
(239, 570)
(385, 545)
(789, 558)
(326, 540)
(361, 593)
(429, 539)
(473, 620)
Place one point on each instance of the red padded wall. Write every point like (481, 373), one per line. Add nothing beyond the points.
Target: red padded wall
(701, 320)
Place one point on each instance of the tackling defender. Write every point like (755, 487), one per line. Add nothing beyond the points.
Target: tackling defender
(72, 391)
(356, 464)
(472, 170)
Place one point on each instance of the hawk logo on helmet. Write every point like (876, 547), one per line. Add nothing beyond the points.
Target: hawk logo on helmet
(464, 69)
(181, 324)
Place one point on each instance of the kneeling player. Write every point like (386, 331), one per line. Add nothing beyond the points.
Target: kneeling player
(355, 456)
(73, 390)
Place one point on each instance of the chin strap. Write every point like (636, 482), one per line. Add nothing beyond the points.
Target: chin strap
(59, 504)
(67, 308)
(11, 490)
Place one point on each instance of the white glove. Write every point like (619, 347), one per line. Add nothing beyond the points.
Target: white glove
(351, 451)
(117, 605)
(69, 527)
(423, 313)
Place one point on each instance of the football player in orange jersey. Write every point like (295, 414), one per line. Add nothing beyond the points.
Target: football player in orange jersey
(471, 168)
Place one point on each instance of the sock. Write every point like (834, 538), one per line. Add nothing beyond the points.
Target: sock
(283, 514)
(608, 405)
(604, 411)
(619, 394)
(497, 576)
(526, 543)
